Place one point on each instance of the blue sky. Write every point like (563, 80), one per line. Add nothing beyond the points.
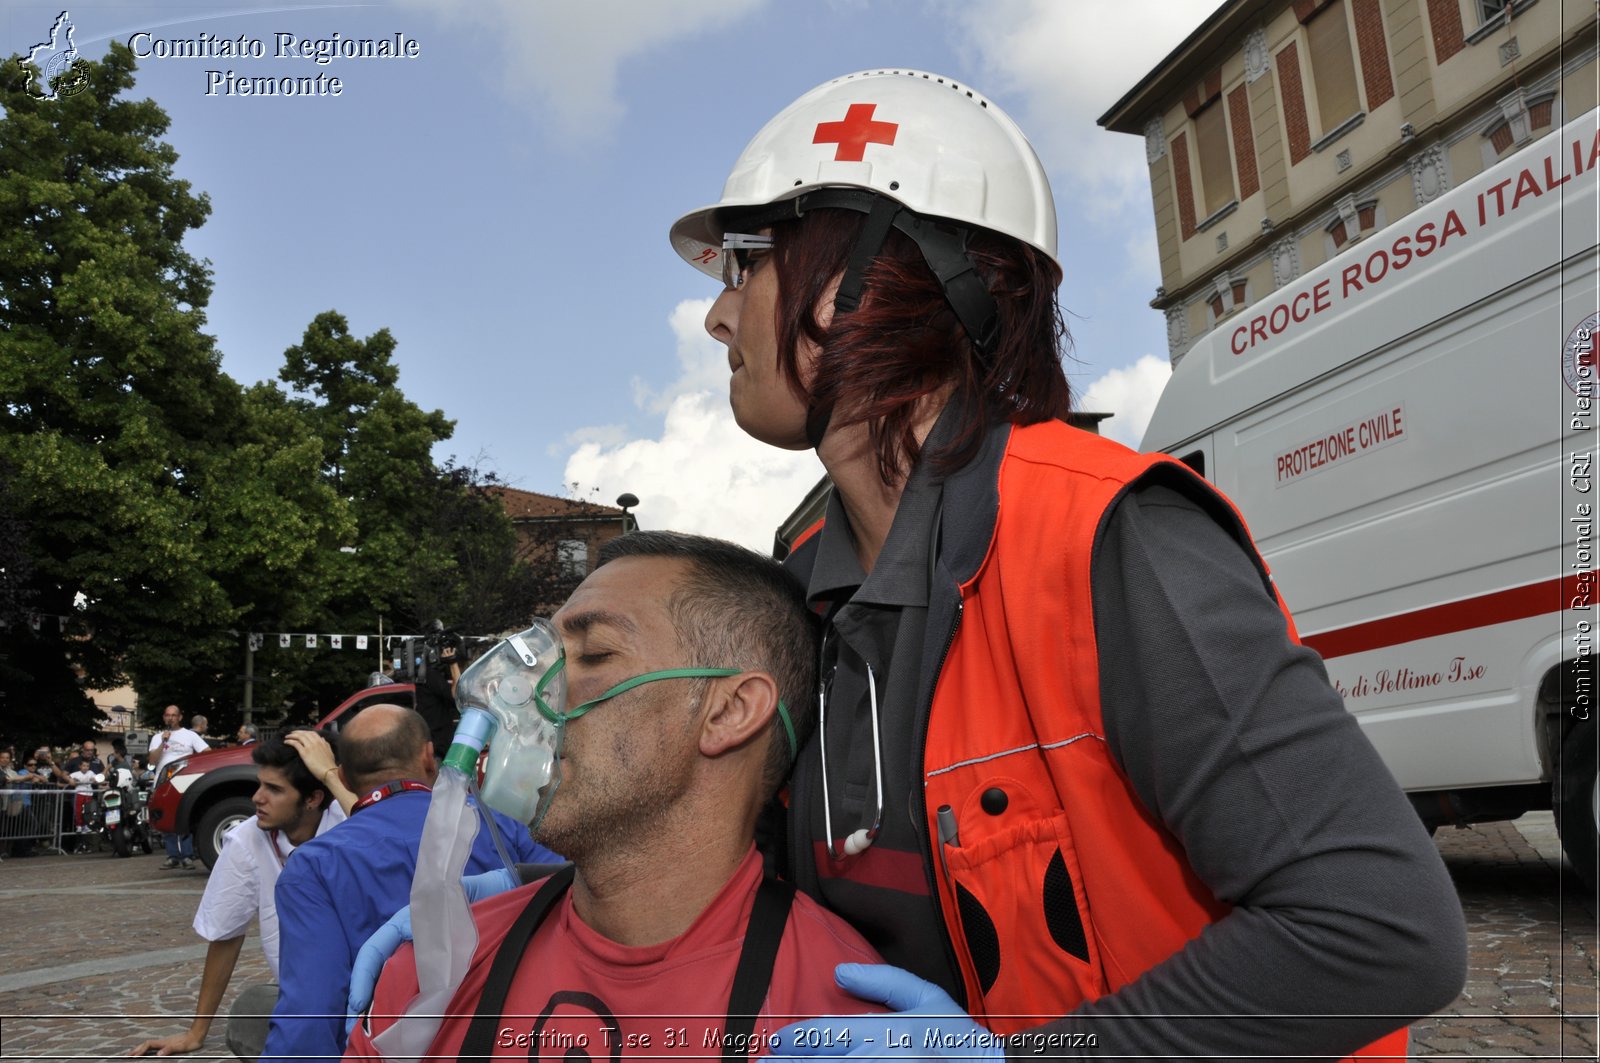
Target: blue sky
(501, 204)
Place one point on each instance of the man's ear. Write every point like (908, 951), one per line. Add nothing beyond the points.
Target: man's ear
(430, 763)
(741, 709)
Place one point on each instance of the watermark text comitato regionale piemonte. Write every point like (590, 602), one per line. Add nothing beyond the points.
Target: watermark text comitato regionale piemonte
(320, 51)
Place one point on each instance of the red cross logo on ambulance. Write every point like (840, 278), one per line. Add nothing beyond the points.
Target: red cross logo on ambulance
(1577, 357)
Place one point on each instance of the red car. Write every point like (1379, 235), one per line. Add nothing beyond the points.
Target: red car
(206, 794)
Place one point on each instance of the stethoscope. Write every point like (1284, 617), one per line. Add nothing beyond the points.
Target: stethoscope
(858, 841)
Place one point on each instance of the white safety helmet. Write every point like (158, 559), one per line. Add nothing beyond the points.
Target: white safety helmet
(923, 141)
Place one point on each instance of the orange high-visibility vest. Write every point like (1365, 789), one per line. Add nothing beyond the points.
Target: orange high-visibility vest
(1068, 888)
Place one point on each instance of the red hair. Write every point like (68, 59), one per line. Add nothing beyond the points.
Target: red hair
(904, 341)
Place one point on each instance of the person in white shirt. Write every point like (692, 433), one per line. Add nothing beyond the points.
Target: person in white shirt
(298, 796)
(173, 743)
(84, 781)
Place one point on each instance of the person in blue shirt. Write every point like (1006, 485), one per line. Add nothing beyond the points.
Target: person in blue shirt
(338, 888)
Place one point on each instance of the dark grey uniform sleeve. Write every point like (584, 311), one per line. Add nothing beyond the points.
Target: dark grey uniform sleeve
(1345, 924)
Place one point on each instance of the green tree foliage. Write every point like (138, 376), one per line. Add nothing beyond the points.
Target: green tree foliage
(151, 486)
(473, 577)
(430, 542)
(163, 508)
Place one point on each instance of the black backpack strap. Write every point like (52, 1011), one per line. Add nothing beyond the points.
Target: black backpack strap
(528, 874)
(479, 1042)
(768, 917)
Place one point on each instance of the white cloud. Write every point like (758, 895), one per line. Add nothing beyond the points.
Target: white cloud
(1069, 62)
(702, 361)
(562, 58)
(702, 473)
(1130, 393)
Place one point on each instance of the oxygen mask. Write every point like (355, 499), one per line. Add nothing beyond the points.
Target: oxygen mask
(511, 699)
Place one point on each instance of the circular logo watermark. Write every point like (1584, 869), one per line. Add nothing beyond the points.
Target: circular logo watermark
(65, 75)
(1577, 356)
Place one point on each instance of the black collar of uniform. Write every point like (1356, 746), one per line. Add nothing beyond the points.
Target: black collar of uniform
(900, 575)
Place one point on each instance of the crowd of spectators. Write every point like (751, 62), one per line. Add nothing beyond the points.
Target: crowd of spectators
(35, 806)
(34, 785)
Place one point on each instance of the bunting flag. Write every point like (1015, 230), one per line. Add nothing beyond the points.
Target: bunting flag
(312, 640)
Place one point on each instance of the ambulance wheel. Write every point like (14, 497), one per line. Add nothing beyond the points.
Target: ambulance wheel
(1577, 803)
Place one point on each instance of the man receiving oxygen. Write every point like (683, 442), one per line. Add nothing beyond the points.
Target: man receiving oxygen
(646, 742)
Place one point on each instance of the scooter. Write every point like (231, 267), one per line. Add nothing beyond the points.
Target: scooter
(119, 810)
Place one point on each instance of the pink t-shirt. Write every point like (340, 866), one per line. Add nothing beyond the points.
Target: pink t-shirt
(668, 999)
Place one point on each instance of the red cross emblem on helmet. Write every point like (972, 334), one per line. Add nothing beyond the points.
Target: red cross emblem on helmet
(855, 132)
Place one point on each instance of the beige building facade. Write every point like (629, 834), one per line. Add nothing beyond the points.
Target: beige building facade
(1281, 132)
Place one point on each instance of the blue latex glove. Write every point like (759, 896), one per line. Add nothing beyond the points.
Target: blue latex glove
(917, 1009)
(387, 939)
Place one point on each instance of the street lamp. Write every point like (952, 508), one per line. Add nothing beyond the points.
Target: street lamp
(626, 500)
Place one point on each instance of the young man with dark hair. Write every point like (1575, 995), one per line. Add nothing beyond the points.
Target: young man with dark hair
(292, 807)
(340, 888)
(690, 670)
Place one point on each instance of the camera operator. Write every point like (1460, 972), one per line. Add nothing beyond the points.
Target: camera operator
(434, 668)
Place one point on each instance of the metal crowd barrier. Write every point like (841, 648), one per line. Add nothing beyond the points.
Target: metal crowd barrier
(39, 815)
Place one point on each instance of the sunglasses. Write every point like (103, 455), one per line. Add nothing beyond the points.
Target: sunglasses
(741, 254)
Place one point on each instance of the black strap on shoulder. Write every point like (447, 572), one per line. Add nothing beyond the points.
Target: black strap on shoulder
(768, 917)
(479, 1042)
(528, 874)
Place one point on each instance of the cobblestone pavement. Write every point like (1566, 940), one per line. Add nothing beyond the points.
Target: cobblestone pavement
(102, 955)
(1531, 940)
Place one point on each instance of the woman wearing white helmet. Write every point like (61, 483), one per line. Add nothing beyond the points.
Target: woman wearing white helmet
(1072, 761)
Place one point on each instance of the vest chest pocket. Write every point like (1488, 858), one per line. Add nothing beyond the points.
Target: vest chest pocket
(1024, 920)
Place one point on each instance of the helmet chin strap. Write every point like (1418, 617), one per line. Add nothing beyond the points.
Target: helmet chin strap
(880, 218)
(943, 247)
(817, 419)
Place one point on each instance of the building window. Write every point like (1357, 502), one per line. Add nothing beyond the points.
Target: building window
(1228, 293)
(1352, 221)
(1333, 68)
(573, 557)
(1216, 161)
(1520, 118)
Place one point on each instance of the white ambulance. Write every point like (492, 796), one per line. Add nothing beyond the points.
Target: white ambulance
(1409, 431)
